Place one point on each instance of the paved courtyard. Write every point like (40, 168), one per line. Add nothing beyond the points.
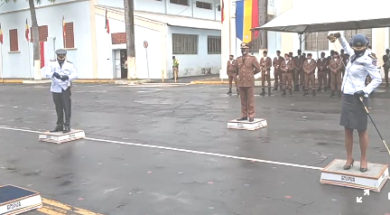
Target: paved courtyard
(164, 149)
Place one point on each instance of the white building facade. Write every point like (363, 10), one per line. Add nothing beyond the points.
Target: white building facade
(186, 29)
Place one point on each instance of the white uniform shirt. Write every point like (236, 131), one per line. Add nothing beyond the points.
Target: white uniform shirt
(57, 85)
(356, 72)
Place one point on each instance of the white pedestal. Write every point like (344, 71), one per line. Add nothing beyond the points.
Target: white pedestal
(246, 125)
(59, 137)
(17, 200)
(374, 179)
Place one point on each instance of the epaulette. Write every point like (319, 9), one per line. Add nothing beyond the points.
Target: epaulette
(372, 55)
(374, 59)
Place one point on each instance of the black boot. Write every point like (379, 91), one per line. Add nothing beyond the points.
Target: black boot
(242, 119)
(262, 92)
(58, 129)
(332, 94)
(230, 91)
(269, 91)
(314, 92)
(284, 92)
(66, 129)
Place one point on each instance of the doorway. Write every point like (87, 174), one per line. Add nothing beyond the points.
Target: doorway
(123, 57)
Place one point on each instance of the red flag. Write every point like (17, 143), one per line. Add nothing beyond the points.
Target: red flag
(1, 35)
(27, 32)
(255, 18)
(222, 13)
(107, 26)
(64, 31)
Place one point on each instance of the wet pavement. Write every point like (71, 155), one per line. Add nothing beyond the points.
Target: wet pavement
(122, 167)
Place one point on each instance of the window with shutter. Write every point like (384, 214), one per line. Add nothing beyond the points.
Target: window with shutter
(184, 44)
(69, 35)
(43, 33)
(13, 34)
(214, 45)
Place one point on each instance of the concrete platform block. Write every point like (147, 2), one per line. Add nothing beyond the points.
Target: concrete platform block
(59, 137)
(246, 125)
(374, 179)
(17, 200)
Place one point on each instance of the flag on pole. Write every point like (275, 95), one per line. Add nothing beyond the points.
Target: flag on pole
(247, 17)
(64, 31)
(1, 35)
(222, 13)
(27, 32)
(107, 25)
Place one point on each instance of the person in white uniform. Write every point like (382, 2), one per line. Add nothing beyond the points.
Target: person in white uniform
(61, 72)
(353, 115)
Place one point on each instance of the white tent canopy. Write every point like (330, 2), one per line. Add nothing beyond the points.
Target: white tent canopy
(332, 15)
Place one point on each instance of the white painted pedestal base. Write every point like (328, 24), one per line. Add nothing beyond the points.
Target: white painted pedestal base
(59, 137)
(374, 179)
(17, 200)
(246, 125)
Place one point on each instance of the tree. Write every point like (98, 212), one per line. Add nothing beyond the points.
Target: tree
(34, 31)
(130, 45)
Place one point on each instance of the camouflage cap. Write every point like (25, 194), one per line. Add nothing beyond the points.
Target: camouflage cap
(244, 46)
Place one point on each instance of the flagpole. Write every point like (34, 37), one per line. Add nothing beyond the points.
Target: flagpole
(29, 60)
(2, 63)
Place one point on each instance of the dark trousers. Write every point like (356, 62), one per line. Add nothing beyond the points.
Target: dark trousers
(62, 102)
(386, 69)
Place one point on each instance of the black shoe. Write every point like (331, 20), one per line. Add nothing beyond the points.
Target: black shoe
(363, 169)
(251, 119)
(284, 93)
(57, 129)
(229, 92)
(262, 92)
(66, 129)
(242, 119)
(347, 167)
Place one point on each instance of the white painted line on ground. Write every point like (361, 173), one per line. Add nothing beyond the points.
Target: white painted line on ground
(205, 153)
(19, 129)
(181, 150)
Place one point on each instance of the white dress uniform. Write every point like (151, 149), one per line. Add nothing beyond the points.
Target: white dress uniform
(61, 90)
(353, 115)
(357, 71)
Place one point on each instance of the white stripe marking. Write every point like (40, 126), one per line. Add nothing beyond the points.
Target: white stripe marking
(181, 150)
(205, 153)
